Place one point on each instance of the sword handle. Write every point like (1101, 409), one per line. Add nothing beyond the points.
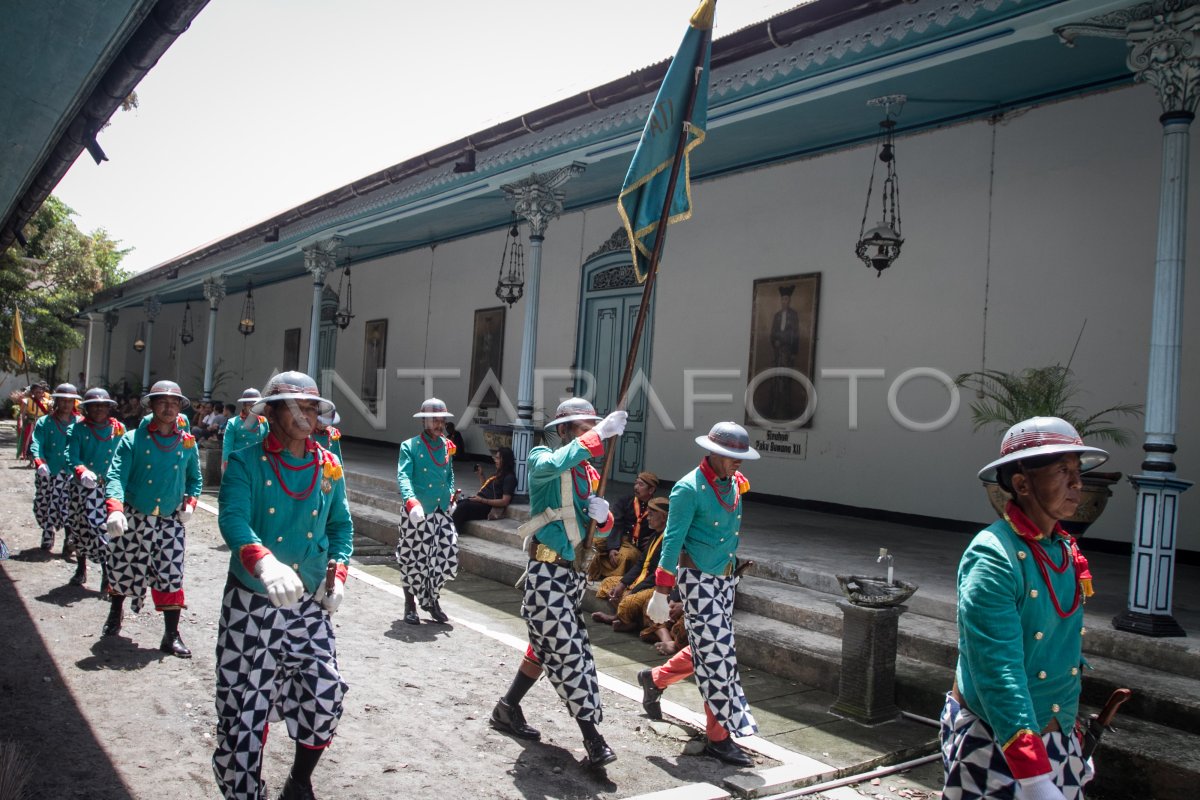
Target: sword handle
(1119, 696)
(330, 575)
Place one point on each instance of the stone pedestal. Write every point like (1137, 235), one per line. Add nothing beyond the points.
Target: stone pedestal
(867, 689)
(210, 465)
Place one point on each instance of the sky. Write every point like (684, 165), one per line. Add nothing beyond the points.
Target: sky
(264, 104)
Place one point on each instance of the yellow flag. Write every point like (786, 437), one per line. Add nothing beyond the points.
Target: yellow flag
(16, 349)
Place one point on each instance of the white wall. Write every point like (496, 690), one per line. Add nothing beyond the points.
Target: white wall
(1071, 218)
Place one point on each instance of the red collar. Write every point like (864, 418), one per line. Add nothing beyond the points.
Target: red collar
(272, 444)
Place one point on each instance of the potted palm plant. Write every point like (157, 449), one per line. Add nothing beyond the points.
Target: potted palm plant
(1006, 398)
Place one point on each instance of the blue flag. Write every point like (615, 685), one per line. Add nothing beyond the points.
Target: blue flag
(644, 193)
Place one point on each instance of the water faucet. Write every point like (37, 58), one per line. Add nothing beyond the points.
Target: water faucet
(885, 556)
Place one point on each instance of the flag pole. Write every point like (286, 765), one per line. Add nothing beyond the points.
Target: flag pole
(651, 273)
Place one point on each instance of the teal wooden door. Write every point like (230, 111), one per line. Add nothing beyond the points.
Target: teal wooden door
(611, 296)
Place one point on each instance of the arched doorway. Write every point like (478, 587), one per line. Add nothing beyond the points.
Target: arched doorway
(608, 312)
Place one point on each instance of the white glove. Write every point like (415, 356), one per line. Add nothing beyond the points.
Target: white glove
(333, 599)
(598, 508)
(659, 608)
(612, 425)
(88, 479)
(117, 524)
(284, 586)
(43, 470)
(1040, 788)
(417, 515)
(185, 513)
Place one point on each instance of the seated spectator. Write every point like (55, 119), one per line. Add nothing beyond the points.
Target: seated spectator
(454, 436)
(211, 426)
(626, 544)
(627, 595)
(494, 495)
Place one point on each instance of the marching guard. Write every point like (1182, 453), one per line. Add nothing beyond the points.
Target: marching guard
(327, 435)
(1009, 724)
(152, 489)
(48, 447)
(245, 429)
(703, 530)
(285, 518)
(561, 500)
(93, 441)
(427, 550)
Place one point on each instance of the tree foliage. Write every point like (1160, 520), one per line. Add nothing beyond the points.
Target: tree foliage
(49, 280)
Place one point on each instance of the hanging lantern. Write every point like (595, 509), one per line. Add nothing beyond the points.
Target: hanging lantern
(185, 330)
(880, 246)
(345, 312)
(139, 339)
(246, 323)
(510, 285)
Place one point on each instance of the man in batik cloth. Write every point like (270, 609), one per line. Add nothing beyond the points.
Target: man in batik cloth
(245, 429)
(625, 547)
(34, 406)
(48, 447)
(1009, 725)
(151, 492)
(628, 594)
(94, 439)
(285, 518)
(562, 502)
(427, 550)
(698, 555)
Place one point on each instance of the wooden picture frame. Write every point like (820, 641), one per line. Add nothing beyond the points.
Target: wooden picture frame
(374, 359)
(487, 352)
(783, 346)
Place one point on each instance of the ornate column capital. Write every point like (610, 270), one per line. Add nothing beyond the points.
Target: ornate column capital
(1162, 37)
(537, 199)
(321, 257)
(214, 290)
(110, 319)
(153, 306)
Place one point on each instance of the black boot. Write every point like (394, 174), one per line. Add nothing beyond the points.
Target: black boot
(112, 625)
(730, 753)
(410, 609)
(510, 719)
(172, 644)
(297, 790)
(438, 615)
(80, 576)
(650, 694)
(598, 752)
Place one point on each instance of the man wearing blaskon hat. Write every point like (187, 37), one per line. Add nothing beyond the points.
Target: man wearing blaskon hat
(427, 550)
(1008, 726)
(48, 448)
(94, 439)
(244, 430)
(151, 492)
(698, 555)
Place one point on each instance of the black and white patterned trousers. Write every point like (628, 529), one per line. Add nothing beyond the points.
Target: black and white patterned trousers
(427, 553)
(272, 664)
(976, 769)
(708, 615)
(52, 505)
(90, 529)
(149, 554)
(550, 608)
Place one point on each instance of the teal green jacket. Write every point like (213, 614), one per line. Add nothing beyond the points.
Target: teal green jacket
(302, 532)
(698, 523)
(51, 442)
(92, 448)
(426, 473)
(331, 439)
(149, 479)
(1019, 662)
(242, 433)
(545, 491)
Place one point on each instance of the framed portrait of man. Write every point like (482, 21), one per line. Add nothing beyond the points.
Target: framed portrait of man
(783, 341)
(487, 352)
(374, 359)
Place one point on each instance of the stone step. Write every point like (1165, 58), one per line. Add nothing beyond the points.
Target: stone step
(1139, 758)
